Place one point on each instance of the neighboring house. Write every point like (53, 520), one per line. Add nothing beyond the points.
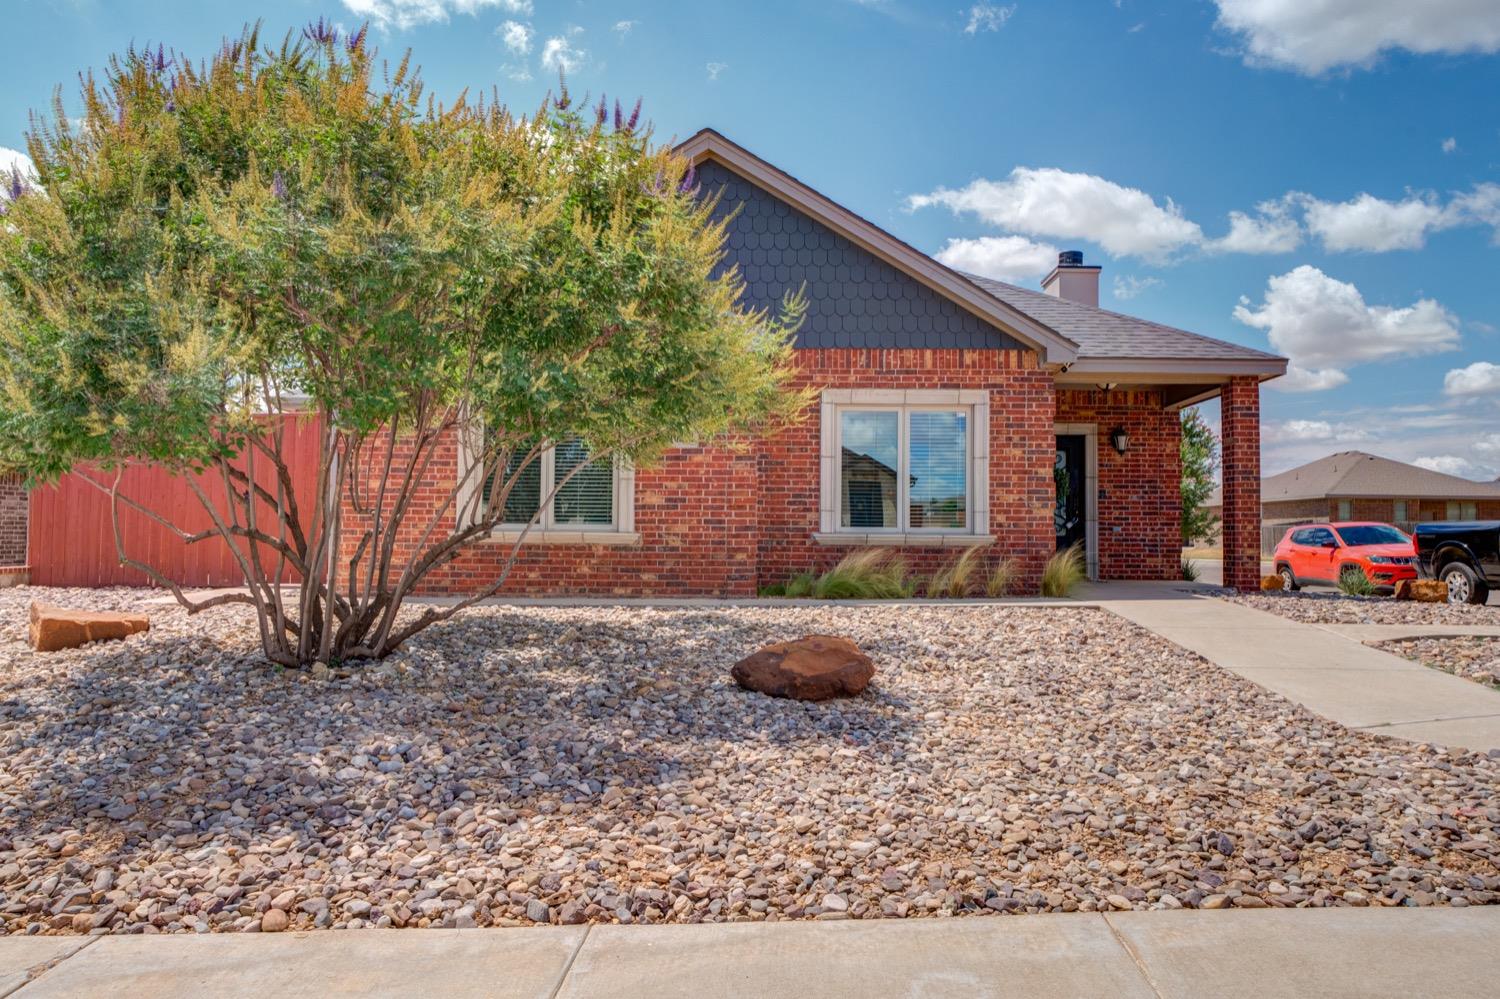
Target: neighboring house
(1353, 485)
(13, 526)
(950, 409)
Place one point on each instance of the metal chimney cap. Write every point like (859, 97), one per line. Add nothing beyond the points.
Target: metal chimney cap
(1070, 258)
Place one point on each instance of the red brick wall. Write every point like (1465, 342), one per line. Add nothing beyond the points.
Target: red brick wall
(1139, 502)
(13, 519)
(1239, 432)
(1021, 449)
(719, 522)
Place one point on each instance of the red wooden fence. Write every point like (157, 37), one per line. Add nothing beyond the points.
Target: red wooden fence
(72, 535)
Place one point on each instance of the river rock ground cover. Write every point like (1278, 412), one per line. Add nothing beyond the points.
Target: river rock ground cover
(1469, 656)
(597, 764)
(1326, 607)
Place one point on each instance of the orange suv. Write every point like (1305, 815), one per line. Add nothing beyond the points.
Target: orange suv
(1322, 553)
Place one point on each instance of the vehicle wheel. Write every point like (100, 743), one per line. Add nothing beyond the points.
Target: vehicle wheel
(1288, 578)
(1464, 586)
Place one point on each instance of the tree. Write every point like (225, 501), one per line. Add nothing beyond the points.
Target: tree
(1200, 459)
(214, 236)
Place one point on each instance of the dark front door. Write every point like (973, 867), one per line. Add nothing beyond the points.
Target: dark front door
(1068, 475)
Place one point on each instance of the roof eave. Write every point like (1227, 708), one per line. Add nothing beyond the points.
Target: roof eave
(1054, 348)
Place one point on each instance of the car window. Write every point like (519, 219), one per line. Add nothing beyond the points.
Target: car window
(1302, 537)
(1320, 536)
(1372, 534)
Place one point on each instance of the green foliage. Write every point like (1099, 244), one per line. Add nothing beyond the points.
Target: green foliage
(1063, 571)
(1354, 583)
(209, 235)
(1200, 459)
(801, 585)
(1189, 570)
(869, 574)
(1002, 578)
(956, 579)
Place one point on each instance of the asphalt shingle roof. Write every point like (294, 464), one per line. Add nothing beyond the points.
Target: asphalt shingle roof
(1101, 333)
(1355, 474)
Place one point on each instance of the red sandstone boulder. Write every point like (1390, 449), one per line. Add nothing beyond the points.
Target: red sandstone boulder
(54, 628)
(813, 668)
(1272, 584)
(1429, 591)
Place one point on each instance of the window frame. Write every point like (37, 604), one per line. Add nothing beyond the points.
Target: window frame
(545, 530)
(974, 404)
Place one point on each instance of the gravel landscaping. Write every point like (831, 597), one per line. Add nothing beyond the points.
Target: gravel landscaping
(1335, 608)
(597, 764)
(1471, 657)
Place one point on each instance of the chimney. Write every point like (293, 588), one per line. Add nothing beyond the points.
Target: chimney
(1073, 281)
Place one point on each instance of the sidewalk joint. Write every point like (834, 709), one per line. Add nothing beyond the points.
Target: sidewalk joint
(562, 976)
(1140, 964)
(34, 973)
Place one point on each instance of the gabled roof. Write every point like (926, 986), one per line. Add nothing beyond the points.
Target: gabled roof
(1075, 337)
(1355, 474)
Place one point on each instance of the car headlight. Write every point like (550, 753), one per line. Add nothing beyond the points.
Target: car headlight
(1382, 560)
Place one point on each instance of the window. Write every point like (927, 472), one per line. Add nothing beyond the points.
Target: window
(569, 498)
(1372, 534)
(1398, 510)
(1462, 511)
(1346, 509)
(1320, 537)
(904, 462)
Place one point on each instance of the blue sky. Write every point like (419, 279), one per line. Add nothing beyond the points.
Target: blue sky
(1360, 147)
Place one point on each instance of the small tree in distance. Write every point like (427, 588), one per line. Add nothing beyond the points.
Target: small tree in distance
(1200, 459)
(213, 237)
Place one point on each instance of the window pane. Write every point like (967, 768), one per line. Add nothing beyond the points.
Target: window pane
(867, 467)
(521, 504)
(589, 496)
(939, 492)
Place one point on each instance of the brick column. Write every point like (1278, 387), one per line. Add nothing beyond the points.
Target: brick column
(1239, 428)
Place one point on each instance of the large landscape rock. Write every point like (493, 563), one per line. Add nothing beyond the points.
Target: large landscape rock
(54, 628)
(813, 668)
(1423, 591)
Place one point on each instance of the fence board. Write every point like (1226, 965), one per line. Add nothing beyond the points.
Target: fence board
(72, 537)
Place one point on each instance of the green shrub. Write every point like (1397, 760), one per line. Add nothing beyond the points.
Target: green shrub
(1063, 571)
(1354, 583)
(1190, 570)
(869, 574)
(956, 579)
(800, 585)
(1002, 578)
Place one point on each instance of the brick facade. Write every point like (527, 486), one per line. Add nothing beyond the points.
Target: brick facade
(1139, 499)
(1239, 432)
(1374, 508)
(14, 512)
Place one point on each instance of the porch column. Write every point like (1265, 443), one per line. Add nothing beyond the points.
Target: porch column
(1239, 431)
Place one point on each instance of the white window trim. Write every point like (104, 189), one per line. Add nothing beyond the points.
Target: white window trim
(977, 401)
(621, 532)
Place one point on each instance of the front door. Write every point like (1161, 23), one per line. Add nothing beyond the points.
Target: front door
(1068, 516)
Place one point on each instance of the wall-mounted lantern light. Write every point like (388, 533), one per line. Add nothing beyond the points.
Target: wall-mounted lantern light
(1120, 439)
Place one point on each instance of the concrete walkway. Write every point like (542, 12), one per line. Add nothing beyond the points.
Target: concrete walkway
(1152, 955)
(1314, 665)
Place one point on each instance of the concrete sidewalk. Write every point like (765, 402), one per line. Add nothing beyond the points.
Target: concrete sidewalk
(1314, 665)
(1153, 955)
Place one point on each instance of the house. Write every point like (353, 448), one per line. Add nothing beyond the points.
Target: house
(1353, 485)
(13, 529)
(951, 411)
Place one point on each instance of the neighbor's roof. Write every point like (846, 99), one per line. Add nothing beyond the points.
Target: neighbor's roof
(1067, 333)
(1352, 474)
(1101, 333)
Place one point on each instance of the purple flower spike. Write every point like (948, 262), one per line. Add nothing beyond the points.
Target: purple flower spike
(171, 106)
(602, 111)
(689, 181)
(635, 116)
(15, 184)
(619, 117)
(356, 41)
(320, 32)
(278, 186)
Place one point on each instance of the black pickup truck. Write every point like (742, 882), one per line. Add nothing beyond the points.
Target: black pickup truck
(1465, 555)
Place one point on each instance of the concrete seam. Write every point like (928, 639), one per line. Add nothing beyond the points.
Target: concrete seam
(1140, 964)
(37, 971)
(562, 977)
(1425, 721)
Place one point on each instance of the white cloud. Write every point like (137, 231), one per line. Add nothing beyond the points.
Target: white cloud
(1450, 145)
(516, 36)
(1058, 204)
(1479, 378)
(1323, 326)
(988, 17)
(1004, 258)
(1488, 445)
(403, 14)
(1452, 464)
(715, 68)
(559, 54)
(1289, 431)
(1370, 223)
(1271, 230)
(1312, 36)
(1129, 286)
(623, 28)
